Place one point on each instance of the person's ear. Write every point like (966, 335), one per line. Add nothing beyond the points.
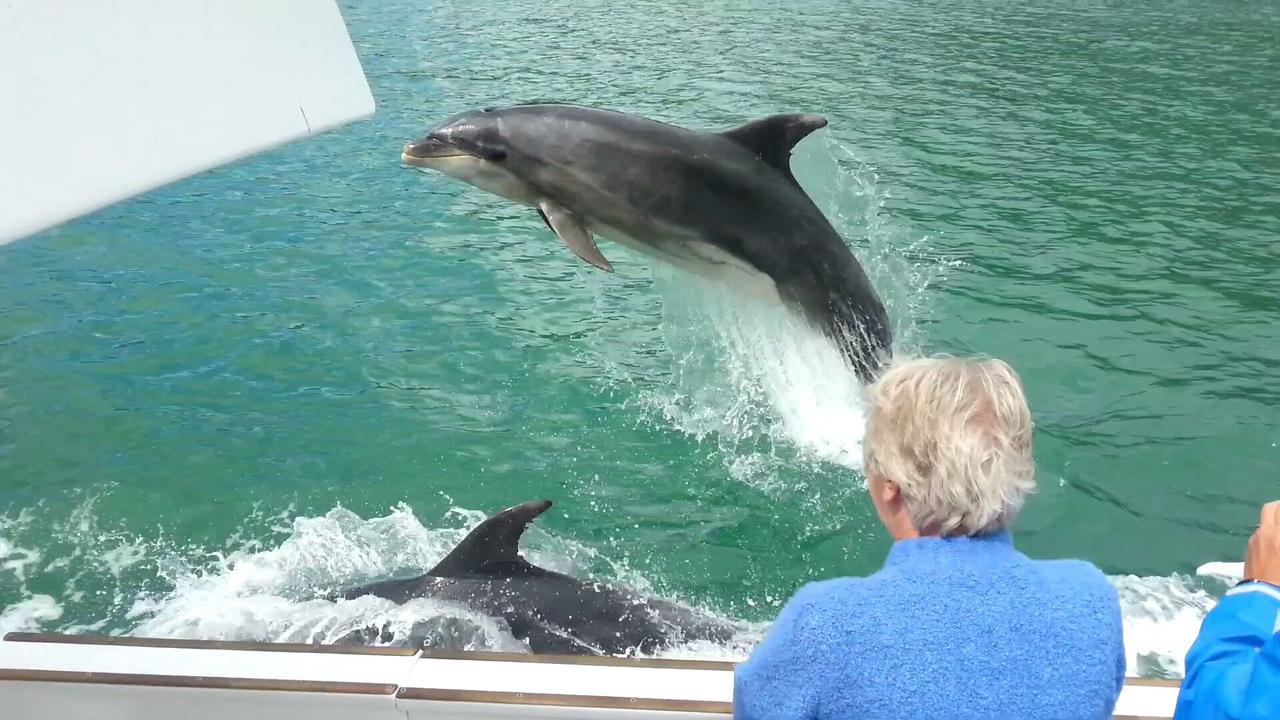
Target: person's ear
(890, 493)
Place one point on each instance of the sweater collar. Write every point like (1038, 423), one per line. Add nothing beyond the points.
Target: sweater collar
(993, 544)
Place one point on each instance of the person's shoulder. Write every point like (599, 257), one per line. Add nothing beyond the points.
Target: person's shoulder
(1080, 572)
(835, 596)
(1079, 583)
(820, 595)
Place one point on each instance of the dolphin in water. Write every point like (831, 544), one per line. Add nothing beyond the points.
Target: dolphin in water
(721, 204)
(553, 613)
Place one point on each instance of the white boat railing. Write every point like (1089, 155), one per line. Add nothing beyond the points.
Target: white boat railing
(72, 676)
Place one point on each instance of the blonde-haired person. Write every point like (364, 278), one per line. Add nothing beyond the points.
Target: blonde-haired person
(958, 623)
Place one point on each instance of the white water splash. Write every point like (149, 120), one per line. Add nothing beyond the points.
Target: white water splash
(29, 615)
(17, 560)
(1162, 615)
(749, 372)
(122, 557)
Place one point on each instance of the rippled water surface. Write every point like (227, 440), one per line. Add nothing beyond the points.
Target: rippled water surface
(315, 367)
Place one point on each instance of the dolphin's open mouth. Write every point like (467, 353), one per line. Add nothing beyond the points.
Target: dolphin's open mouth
(428, 149)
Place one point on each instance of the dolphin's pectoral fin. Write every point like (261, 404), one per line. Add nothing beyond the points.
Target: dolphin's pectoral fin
(545, 221)
(772, 138)
(574, 233)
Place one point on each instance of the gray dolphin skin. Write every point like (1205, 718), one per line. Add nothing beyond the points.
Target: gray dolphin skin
(724, 205)
(553, 613)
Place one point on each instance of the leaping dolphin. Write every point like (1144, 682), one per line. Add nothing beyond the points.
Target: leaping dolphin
(721, 204)
(553, 613)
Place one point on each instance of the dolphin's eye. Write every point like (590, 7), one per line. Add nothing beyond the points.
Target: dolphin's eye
(488, 109)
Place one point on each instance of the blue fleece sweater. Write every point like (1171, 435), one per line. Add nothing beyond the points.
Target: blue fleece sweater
(950, 629)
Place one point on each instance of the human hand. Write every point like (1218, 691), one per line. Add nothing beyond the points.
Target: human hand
(1262, 561)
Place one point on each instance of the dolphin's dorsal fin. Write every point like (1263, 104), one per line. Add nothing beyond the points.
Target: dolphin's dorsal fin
(772, 138)
(494, 543)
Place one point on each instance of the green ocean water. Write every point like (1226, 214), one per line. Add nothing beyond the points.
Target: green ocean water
(316, 367)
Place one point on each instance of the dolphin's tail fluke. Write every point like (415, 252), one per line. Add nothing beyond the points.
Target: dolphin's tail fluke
(856, 323)
(863, 336)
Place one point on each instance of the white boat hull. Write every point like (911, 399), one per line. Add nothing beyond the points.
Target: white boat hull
(68, 676)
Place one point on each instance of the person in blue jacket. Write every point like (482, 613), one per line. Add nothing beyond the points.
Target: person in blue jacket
(958, 624)
(1233, 667)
